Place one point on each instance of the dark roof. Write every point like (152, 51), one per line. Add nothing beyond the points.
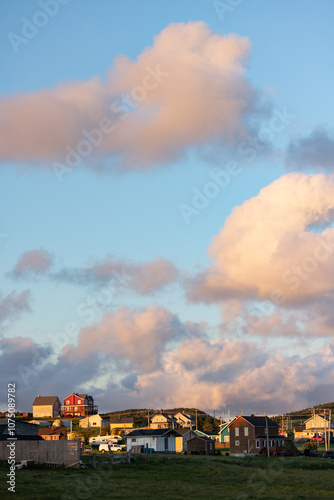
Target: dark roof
(299, 428)
(202, 438)
(151, 432)
(49, 432)
(44, 400)
(184, 431)
(257, 421)
(121, 420)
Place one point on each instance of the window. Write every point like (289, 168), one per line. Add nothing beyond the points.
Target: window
(237, 443)
(246, 431)
(67, 402)
(166, 443)
(133, 440)
(236, 431)
(257, 443)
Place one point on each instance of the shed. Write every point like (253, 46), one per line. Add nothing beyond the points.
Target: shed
(200, 446)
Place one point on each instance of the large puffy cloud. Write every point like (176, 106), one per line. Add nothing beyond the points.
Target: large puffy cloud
(142, 277)
(189, 88)
(33, 262)
(136, 337)
(315, 151)
(277, 246)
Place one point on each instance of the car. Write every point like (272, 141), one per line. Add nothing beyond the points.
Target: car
(105, 447)
(328, 454)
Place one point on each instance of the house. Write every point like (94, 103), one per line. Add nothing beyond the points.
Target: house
(46, 406)
(158, 440)
(23, 431)
(184, 420)
(79, 405)
(248, 435)
(181, 440)
(299, 432)
(163, 421)
(318, 423)
(52, 434)
(200, 446)
(121, 423)
(95, 421)
(27, 415)
(224, 433)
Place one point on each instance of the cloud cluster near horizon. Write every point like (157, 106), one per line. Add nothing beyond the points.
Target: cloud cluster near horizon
(188, 89)
(134, 361)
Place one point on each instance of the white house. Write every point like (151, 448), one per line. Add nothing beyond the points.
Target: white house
(95, 421)
(185, 420)
(163, 421)
(318, 422)
(160, 440)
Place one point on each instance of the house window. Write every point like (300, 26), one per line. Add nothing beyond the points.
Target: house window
(94, 423)
(257, 443)
(237, 443)
(133, 440)
(166, 443)
(67, 402)
(246, 431)
(237, 431)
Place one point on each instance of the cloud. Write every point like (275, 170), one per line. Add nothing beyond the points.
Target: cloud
(165, 363)
(277, 246)
(237, 375)
(136, 337)
(142, 277)
(188, 89)
(315, 151)
(14, 304)
(33, 262)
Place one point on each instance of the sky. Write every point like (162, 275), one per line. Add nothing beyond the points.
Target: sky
(167, 204)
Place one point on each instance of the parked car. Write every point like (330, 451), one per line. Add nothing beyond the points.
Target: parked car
(104, 447)
(328, 454)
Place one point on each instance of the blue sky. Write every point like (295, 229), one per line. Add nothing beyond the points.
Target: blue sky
(123, 208)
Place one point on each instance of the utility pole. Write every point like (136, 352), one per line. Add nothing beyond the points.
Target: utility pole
(267, 432)
(330, 426)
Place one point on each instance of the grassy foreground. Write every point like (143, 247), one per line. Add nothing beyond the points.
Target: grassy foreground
(179, 477)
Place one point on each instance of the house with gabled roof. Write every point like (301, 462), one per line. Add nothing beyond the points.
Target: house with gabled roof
(185, 420)
(58, 434)
(79, 405)
(224, 433)
(163, 421)
(46, 406)
(248, 434)
(158, 440)
(95, 421)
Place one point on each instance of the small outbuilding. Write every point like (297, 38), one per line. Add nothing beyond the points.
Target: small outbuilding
(200, 446)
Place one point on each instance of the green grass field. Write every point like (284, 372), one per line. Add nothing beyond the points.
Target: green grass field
(179, 477)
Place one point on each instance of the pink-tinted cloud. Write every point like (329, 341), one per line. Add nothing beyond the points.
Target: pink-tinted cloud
(277, 246)
(33, 262)
(188, 89)
(142, 277)
(136, 337)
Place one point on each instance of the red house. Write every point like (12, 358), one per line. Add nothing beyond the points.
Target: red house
(79, 405)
